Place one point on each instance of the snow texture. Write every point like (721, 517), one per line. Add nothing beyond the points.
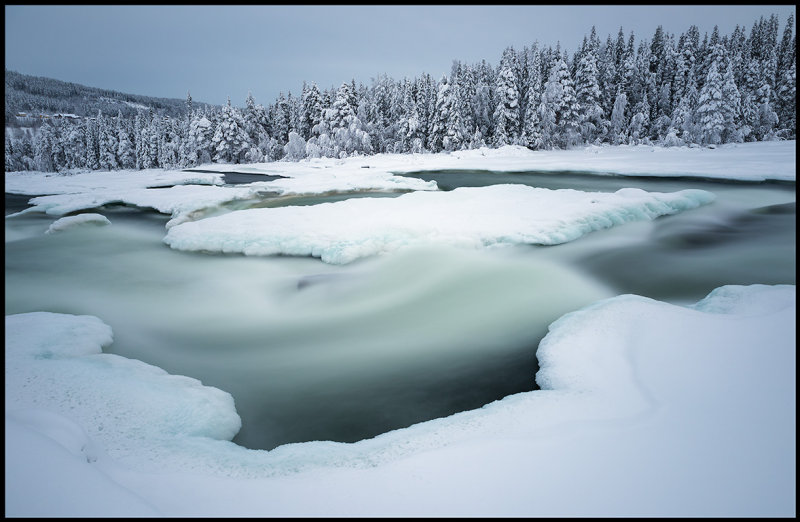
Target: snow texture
(737, 161)
(472, 217)
(646, 408)
(73, 221)
(55, 362)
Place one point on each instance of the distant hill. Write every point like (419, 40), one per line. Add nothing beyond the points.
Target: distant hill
(35, 95)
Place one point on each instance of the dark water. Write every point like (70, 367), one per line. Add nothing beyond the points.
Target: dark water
(16, 202)
(313, 351)
(239, 178)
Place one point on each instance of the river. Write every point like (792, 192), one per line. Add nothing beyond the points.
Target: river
(311, 351)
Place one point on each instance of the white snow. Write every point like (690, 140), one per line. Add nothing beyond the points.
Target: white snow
(86, 190)
(191, 191)
(742, 161)
(180, 201)
(36, 183)
(646, 409)
(55, 362)
(472, 217)
(73, 221)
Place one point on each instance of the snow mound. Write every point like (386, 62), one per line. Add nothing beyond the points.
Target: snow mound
(473, 217)
(55, 362)
(36, 183)
(651, 407)
(80, 219)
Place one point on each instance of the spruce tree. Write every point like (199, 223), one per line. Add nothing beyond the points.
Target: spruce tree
(532, 132)
(710, 113)
(92, 149)
(125, 149)
(107, 143)
(506, 115)
(587, 92)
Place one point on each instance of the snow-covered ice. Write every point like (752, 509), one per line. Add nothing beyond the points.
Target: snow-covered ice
(646, 409)
(179, 201)
(36, 183)
(473, 217)
(181, 194)
(79, 220)
(81, 191)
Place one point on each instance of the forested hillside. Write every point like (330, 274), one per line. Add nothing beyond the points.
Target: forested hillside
(668, 90)
(36, 96)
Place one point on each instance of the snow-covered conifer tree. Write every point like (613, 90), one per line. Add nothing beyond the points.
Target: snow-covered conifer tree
(92, 149)
(559, 99)
(710, 113)
(532, 132)
(107, 143)
(43, 148)
(230, 141)
(125, 149)
(456, 136)
(341, 107)
(409, 124)
(731, 108)
(312, 110)
(767, 118)
(295, 149)
(138, 140)
(74, 145)
(640, 122)
(619, 124)
(787, 99)
(506, 114)
(587, 92)
(607, 78)
(439, 119)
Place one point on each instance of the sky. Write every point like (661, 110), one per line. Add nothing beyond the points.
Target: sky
(216, 52)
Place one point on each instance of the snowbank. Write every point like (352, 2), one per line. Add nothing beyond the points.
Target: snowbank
(647, 409)
(473, 217)
(73, 221)
(40, 183)
(55, 362)
(768, 160)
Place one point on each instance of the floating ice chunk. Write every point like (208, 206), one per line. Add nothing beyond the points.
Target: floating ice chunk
(80, 219)
(474, 217)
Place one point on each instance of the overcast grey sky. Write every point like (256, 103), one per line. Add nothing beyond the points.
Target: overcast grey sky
(221, 51)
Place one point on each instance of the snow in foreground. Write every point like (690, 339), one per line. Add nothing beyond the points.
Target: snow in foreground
(646, 409)
(472, 217)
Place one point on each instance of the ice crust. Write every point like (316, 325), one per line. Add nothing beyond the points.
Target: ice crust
(472, 217)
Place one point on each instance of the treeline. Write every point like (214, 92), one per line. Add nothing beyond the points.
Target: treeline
(668, 90)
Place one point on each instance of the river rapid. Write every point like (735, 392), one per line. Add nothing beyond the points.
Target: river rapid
(311, 351)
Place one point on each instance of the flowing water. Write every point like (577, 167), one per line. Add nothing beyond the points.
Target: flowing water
(312, 351)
